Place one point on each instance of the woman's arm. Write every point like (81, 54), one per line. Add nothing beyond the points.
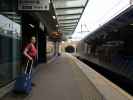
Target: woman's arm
(26, 54)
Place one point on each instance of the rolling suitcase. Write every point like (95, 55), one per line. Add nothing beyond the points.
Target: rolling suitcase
(23, 81)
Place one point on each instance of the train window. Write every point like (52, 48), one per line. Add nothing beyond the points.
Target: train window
(89, 49)
(85, 48)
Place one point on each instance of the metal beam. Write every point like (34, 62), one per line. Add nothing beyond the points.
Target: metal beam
(67, 33)
(69, 14)
(68, 19)
(62, 0)
(69, 23)
(67, 27)
(69, 8)
(68, 30)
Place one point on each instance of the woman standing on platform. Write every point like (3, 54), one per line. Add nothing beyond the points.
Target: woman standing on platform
(23, 82)
(30, 52)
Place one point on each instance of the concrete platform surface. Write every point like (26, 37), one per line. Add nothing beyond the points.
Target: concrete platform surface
(66, 78)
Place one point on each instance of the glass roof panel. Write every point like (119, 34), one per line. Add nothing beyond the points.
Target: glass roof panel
(67, 33)
(68, 21)
(66, 25)
(68, 17)
(68, 28)
(68, 11)
(69, 3)
(63, 24)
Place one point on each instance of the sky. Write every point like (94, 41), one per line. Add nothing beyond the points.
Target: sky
(97, 13)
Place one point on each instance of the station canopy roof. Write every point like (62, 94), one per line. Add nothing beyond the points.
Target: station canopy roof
(68, 14)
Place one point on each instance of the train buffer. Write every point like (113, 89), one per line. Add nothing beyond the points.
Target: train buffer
(67, 78)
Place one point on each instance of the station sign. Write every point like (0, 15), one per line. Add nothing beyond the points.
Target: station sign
(33, 5)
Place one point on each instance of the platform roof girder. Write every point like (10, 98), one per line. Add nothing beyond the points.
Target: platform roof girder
(69, 12)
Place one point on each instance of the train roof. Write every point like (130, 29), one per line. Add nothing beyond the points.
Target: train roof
(123, 19)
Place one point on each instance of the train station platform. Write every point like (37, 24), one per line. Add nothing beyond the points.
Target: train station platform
(67, 78)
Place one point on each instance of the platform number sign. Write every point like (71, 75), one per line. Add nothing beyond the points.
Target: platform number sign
(33, 5)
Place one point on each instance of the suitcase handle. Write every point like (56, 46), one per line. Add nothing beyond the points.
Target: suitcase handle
(27, 65)
(31, 66)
